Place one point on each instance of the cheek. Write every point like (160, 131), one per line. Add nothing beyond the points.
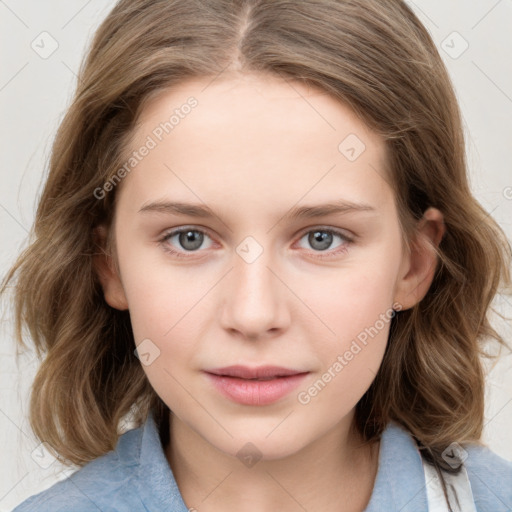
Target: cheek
(355, 308)
(160, 296)
(172, 319)
(352, 299)
(166, 322)
(166, 310)
(350, 362)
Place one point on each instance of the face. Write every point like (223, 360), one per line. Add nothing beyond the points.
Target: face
(252, 273)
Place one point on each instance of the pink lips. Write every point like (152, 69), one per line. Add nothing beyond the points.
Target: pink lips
(239, 383)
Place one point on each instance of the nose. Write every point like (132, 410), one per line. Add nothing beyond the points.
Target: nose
(255, 304)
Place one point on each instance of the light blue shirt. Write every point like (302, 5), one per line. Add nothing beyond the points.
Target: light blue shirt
(136, 477)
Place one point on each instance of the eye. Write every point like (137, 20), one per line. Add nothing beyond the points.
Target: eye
(185, 239)
(179, 242)
(321, 239)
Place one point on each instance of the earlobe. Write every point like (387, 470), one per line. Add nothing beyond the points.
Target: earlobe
(108, 276)
(421, 263)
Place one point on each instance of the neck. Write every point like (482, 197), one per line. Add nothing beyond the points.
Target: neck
(335, 470)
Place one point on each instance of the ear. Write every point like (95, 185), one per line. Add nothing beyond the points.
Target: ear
(113, 290)
(419, 265)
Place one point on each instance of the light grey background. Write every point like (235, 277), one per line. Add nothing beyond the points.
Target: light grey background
(35, 91)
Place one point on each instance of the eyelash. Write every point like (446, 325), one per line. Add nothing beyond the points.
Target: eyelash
(179, 254)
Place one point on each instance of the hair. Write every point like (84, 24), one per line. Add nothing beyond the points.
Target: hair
(374, 56)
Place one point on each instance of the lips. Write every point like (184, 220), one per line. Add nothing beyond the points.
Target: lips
(259, 373)
(255, 386)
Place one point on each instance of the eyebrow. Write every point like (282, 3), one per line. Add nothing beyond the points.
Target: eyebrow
(296, 213)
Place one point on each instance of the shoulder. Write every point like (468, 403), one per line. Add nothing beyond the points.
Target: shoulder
(106, 483)
(401, 479)
(490, 477)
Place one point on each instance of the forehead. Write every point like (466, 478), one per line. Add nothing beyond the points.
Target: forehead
(263, 137)
(261, 105)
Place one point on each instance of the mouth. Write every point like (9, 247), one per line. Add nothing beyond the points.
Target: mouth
(255, 386)
(257, 373)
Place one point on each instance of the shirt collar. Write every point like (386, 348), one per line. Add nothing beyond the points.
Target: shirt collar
(400, 482)
(157, 486)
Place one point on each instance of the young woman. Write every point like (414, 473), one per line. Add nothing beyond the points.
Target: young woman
(257, 236)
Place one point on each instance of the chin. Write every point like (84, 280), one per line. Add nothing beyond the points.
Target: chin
(259, 446)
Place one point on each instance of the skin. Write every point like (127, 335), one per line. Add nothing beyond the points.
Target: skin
(253, 148)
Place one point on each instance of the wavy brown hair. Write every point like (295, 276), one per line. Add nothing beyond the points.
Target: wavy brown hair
(374, 56)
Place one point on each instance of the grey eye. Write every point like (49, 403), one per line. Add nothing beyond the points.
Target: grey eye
(188, 240)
